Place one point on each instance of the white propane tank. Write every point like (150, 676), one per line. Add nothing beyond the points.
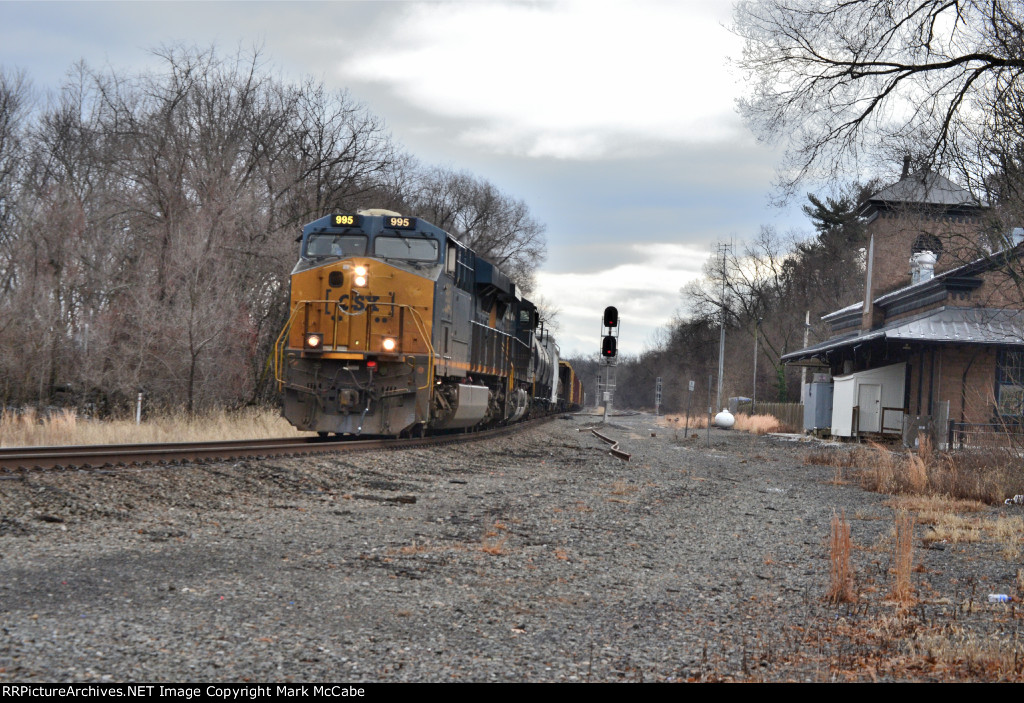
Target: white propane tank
(724, 419)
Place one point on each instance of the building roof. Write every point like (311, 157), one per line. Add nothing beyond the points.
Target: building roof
(954, 325)
(925, 188)
(971, 268)
(842, 311)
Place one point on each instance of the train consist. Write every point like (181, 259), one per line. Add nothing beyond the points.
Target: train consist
(397, 328)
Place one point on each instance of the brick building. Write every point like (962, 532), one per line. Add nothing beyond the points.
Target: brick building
(939, 335)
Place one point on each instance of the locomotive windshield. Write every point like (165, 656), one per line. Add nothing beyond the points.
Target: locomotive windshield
(342, 245)
(408, 248)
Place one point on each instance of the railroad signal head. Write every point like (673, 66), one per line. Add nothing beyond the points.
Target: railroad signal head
(608, 347)
(611, 317)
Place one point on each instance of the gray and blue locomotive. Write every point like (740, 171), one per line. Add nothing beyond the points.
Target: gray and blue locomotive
(398, 328)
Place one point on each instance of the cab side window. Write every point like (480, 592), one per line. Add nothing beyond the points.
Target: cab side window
(460, 264)
(450, 260)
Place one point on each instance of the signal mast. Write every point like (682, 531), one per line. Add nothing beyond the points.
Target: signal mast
(609, 344)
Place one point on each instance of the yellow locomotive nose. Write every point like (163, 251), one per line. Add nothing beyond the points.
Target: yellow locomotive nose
(352, 308)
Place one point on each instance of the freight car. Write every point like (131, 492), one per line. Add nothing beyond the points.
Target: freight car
(397, 328)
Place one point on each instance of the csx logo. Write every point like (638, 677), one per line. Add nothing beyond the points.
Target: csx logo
(356, 302)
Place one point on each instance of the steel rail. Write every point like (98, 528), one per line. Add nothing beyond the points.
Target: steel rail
(614, 449)
(14, 459)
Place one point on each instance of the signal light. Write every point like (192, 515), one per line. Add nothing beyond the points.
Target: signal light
(608, 346)
(611, 317)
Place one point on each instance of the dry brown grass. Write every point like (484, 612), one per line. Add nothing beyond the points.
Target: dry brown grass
(621, 488)
(929, 505)
(988, 475)
(903, 559)
(954, 649)
(29, 429)
(678, 422)
(492, 546)
(944, 524)
(841, 574)
(755, 424)
(494, 542)
(759, 424)
(1008, 532)
(954, 529)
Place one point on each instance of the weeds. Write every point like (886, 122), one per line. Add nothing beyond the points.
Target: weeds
(754, 424)
(903, 561)
(841, 575)
(494, 542)
(65, 428)
(621, 488)
(984, 475)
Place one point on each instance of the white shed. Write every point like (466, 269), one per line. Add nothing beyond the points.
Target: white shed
(869, 401)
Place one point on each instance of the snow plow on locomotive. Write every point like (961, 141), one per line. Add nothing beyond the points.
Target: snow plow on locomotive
(397, 328)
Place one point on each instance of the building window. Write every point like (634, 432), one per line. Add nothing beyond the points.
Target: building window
(1010, 383)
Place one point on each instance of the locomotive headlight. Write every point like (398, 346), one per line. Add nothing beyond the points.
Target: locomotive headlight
(389, 344)
(360, 278)
(313, 340)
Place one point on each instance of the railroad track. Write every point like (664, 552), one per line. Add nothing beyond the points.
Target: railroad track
(15, 459)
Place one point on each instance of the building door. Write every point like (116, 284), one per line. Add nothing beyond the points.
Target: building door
(869, 402)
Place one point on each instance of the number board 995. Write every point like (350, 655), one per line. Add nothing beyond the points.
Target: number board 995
(346, 220)
(392, 222)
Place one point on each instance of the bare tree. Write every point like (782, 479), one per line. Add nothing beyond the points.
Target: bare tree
(14, 105)
(839, 80)
(147, 223)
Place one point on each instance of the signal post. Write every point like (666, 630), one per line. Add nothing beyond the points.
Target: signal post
(609, 344)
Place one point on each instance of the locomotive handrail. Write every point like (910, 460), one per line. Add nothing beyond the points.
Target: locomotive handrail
(279, 345)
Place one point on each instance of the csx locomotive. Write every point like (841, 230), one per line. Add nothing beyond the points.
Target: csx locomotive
(397, 328)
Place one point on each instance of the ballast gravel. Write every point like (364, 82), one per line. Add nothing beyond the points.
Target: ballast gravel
(534, 557)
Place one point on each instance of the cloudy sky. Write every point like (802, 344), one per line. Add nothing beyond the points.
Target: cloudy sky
(614, 121)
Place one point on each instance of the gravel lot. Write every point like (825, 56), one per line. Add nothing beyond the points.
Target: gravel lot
(537, 557)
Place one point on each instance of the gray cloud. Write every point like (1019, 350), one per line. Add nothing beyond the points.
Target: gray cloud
(639, 187)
